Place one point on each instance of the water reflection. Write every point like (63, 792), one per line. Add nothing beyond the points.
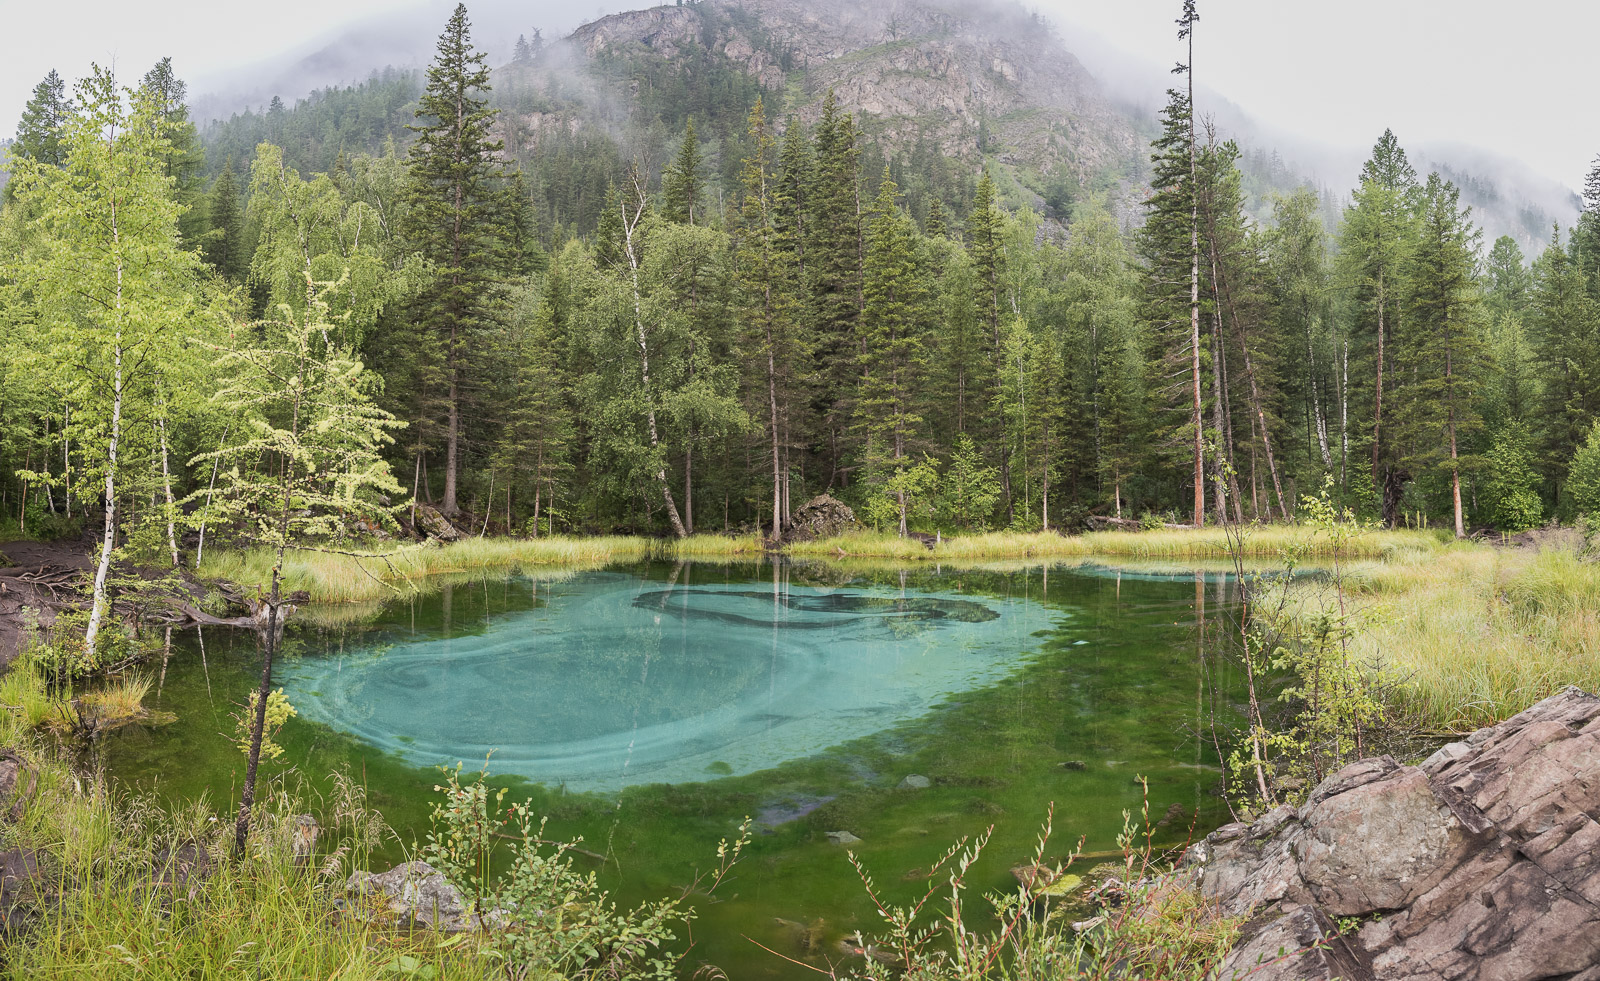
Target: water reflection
(613, 680)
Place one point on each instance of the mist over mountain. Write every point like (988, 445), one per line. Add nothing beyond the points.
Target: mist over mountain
(1055, 110)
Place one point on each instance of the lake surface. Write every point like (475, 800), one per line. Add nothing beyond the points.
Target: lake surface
(650, 707)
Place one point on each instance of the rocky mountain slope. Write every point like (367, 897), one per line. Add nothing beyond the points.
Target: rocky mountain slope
(966, 81)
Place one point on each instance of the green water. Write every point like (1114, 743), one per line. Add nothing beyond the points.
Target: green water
(650, 707)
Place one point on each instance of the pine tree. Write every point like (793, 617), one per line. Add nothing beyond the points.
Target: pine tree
(455, 195)
(224, 246)
(184, 160)
(684, 182)
(1375, 241)
(39, 134)
(1441, 358)
(833, 252)
(892, 340)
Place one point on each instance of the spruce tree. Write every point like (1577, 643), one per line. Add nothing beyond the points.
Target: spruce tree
(184, 159)
(684, 183)
(892, 341)
(224, 246)
(455, 193)
(767, 282)
(39, 134)
(1441, 358)
(1166, 244)
(833, 266)
(1564, 322)
(1375, 242)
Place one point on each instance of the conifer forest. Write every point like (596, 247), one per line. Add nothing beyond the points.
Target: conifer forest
(704, 320)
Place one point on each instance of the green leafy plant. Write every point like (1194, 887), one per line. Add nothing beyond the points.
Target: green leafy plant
(541, 916)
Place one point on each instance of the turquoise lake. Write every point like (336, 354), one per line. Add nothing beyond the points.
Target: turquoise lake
(649, 707)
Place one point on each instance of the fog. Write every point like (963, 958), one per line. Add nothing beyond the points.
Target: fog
(1500, 98)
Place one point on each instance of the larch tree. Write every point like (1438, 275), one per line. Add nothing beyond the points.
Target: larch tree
(454, 221)
(307, 455)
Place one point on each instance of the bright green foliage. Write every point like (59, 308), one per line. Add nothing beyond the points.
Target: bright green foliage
(279, 711)
(505, 864)
(970, 489)
(1513, 484)
(301, 397)
(1583, 476)
(104, 289)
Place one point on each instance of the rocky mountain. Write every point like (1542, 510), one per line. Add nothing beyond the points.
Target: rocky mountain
(967, 82)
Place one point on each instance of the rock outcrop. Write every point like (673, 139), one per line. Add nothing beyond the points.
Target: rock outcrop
(432, 523)
(411, 895)
(1481, 864)
(821, 517)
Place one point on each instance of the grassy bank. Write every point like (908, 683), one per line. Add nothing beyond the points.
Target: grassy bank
(1477, 634)
(1267, 542)
(339, 578)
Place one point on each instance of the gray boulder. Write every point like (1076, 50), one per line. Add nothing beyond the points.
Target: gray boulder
(824, 516)
(1482, 864)
(432, 523)
(412, 895)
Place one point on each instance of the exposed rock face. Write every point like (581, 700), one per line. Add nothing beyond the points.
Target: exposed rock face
(821, 517)
(435, 525)
(1482, 864)
(937, 72)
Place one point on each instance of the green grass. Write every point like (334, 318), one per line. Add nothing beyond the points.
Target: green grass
(1268, 542)
(339, 578)
(1477, 634)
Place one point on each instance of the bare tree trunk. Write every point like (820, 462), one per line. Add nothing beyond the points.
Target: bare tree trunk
(200, 548)
(630, 226)
(166, 479)
(452, 440)
(688, 487)
(1195, 418)
(66, 457)
(1377, 413)
(97, 610)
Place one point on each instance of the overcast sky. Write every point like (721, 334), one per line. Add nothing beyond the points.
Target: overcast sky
(1513, 77)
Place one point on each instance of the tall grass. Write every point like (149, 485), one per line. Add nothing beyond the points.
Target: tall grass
(1168, 543)
(340, 578)
(1477, 634)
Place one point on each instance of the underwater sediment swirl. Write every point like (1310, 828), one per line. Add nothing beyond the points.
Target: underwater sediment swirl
(617, 680)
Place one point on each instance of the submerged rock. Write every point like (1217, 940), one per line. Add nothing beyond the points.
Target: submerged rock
(915, 781)
(1482, 864)
(843, 838)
